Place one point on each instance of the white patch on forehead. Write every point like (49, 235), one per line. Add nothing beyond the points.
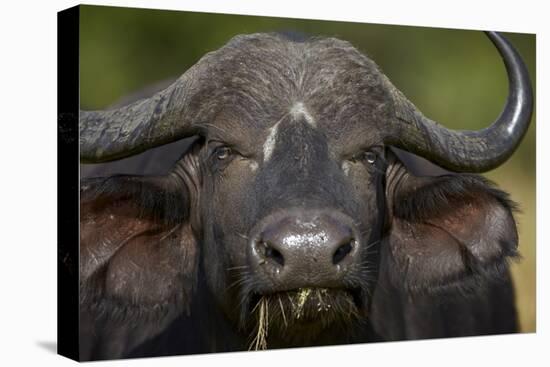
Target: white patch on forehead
(269, 145)
(299, 110)
(253, 166)
(346, 166)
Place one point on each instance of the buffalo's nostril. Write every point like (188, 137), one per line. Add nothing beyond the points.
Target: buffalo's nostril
(342, 251)
(271, 253)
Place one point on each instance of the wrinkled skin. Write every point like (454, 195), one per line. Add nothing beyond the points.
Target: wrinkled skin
(294, 128)
(243, 195)
(318, 144)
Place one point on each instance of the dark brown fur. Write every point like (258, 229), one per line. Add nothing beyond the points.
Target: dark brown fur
(165, 255)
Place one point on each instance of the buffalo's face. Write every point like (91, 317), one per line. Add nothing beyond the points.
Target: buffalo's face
(293, 205)
(293, 225)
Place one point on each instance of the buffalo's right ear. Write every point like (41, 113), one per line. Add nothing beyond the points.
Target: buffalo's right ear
(138, 255)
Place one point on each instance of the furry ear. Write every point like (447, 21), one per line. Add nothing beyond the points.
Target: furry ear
(451, 231)
(138, 255)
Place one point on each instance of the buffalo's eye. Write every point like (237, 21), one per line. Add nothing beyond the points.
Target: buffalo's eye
(221, 157)
(366, 156)
(222, 153)
(369, 157)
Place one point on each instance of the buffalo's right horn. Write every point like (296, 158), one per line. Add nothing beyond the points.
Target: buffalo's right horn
(163, 118)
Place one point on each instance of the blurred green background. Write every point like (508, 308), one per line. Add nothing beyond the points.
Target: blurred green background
(455, 77)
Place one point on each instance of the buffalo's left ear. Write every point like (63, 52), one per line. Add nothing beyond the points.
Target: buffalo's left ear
(447, 231)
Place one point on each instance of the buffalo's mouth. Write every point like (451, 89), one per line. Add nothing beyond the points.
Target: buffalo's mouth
(301, 313)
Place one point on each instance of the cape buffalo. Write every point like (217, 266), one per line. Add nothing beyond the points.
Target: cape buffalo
(290, 220)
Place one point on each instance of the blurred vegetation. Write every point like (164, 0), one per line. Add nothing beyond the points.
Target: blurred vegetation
(454, 76)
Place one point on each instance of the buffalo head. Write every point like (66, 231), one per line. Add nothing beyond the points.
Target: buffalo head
(290, 208)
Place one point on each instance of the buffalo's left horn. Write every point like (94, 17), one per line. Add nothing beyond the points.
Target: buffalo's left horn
(469, 151)
(163, 118)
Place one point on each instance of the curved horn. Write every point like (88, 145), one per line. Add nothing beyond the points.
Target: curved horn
(163, 118)
(470, 151)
